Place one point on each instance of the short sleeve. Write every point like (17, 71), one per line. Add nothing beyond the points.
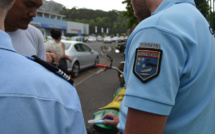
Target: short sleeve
(40, 43)
(158, 94)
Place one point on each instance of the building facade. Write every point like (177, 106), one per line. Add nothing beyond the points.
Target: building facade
(46, 21)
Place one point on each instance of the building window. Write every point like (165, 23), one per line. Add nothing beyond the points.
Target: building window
(39, 14)
(58, 17)
(46, 15)
(53, 16)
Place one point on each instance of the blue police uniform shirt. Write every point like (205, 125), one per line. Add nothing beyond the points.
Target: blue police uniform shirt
(34, 100)
(184, 89)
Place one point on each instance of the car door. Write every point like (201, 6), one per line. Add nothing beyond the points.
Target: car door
(90, 58)
(80, 55)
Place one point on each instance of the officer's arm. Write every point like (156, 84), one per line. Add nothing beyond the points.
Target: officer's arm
(139, 122)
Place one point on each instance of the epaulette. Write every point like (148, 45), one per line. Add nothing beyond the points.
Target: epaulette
(51, 68)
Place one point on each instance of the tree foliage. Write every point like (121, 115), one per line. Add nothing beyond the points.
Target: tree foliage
(98, 18)
(132, 20)
(117, 22)
(203, 6)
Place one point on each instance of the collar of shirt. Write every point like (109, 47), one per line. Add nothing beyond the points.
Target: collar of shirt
(167, 3)
(5, 42)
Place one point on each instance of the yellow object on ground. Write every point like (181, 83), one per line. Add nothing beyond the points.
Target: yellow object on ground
(116, 101)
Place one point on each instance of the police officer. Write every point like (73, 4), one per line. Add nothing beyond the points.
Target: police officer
(33, 99)
(169, 71)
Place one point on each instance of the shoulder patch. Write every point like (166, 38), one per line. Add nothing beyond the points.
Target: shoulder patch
(147, 63)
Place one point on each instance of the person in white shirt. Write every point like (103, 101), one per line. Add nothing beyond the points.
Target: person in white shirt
(26, 39)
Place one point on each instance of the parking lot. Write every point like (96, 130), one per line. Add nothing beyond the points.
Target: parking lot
(96, 90)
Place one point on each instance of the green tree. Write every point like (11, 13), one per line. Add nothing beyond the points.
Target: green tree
(92, 25)
(132, 20)
(111, 19)
(203, 6)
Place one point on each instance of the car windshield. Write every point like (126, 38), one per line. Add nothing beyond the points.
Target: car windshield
(67, 45)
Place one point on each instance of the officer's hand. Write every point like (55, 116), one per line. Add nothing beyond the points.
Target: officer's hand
(114, 117)
(50, 57)
(70, 60)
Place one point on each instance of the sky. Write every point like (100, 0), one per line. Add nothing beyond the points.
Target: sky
(104, 5)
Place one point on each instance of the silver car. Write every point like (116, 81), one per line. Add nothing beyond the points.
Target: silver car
(81, 54)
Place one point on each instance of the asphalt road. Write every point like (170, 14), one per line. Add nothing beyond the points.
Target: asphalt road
(96, 90)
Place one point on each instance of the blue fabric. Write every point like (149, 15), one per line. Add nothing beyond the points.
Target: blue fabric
(34, 100)
(184, 90)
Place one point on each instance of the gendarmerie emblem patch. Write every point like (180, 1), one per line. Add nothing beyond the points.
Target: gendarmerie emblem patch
(147, 63)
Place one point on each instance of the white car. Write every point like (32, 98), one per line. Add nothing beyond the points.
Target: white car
(121, 38)
(77, 38)
(107, 39)
(115, 39)
(82, 55)
(49, 38)
(99, 38)
(91, 39)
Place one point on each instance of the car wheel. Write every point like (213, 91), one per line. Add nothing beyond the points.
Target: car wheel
(96, 61)
(75, 70)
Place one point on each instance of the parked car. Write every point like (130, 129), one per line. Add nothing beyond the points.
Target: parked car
(77, 38)
(91, 39)
(99, 38)
(121, 38)
(83, 57)
(115, 39)
(107, 39)
(49, 38)
(64, 38)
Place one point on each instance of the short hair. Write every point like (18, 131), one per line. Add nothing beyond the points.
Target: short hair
(5, 4)
(55, 34)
